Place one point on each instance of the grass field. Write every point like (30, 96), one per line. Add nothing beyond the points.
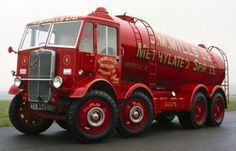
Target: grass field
(232, 103)
(4, 120)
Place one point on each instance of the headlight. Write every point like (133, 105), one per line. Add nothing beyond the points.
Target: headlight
(17, 81)
(57, 82)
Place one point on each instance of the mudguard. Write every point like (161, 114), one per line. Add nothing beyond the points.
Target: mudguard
(14, 90)
(85, 85)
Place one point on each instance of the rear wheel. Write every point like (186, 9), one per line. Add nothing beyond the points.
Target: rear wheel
(136, 115)
(216, 110)
(93, 118)
(195, 118)
(23, 120)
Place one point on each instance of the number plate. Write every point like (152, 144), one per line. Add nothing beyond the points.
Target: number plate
(38, 106)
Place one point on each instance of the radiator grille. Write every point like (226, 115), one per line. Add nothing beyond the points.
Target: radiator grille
(41, 70)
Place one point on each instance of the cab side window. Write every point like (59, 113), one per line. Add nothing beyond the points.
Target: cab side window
(107, 40)
(86, 44)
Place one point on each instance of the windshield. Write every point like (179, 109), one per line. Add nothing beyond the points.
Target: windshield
(63, 34)
(35, 36)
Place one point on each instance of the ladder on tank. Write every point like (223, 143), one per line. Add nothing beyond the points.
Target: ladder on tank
(225, 83)
(152, 48)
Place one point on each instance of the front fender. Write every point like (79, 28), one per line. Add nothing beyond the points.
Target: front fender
(84, 86)
(14, 90)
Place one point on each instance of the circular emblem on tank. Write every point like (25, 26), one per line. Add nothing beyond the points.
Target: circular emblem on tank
(24, 60)
(67, 60)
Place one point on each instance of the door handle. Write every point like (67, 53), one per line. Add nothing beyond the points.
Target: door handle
(118, 58)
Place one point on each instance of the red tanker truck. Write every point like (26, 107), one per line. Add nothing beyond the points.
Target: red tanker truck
(97, 73)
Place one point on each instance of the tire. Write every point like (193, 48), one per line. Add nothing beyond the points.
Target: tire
(216, 110)
(165, 118)
(62, 124)
(195, 118)
(136, 115)
(23, 120)
(92, 118)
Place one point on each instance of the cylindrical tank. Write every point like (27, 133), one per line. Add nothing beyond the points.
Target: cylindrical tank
(175, 62)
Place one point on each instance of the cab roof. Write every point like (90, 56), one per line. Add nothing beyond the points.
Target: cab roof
(99, 13)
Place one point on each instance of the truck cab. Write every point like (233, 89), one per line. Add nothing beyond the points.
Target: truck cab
(66, 51)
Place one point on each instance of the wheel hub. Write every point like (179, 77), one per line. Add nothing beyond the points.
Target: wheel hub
(136, 114)
(95, 117)
(218, 111)
(200, 111)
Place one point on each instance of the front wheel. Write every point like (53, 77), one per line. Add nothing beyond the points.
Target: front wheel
(23, 120)
(136, 115)
(92, 118)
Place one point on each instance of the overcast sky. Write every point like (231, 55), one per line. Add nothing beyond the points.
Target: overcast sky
(211, 22)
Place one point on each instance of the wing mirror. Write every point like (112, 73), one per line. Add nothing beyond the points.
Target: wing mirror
(10, 50)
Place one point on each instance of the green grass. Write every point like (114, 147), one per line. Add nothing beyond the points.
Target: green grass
(232, 103)
(4, 120)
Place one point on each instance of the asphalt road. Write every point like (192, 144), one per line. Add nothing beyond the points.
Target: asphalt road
(167, 137)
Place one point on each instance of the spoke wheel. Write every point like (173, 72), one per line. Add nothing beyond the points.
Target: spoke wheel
(135, 116)
(216, 110)
(23, 120)
(195, 118)
(93, 118)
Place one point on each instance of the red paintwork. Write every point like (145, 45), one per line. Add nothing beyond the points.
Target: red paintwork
(83, 113)
(14, 90)
(85, 85)
(218, 110)
(132, 69)
(200, 112)
(125, 113)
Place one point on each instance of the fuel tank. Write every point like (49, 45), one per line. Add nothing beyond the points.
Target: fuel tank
(163, 60)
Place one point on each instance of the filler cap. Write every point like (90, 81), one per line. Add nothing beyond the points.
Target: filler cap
(101, 12)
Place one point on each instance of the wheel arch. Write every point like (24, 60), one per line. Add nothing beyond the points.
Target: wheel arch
(142, 88)
(139, 87)
(218, 89)
(104, 86)
(200, 88)
(100, 84)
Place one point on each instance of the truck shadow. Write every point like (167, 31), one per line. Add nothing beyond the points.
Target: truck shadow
(56, 135)
(161, 135)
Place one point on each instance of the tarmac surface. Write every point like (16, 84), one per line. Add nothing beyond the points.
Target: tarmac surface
(168, 137)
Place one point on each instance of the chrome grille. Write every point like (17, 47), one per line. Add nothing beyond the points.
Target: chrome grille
(41, 67)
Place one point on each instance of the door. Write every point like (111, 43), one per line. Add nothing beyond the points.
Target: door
(108, 60)
(86, 48)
